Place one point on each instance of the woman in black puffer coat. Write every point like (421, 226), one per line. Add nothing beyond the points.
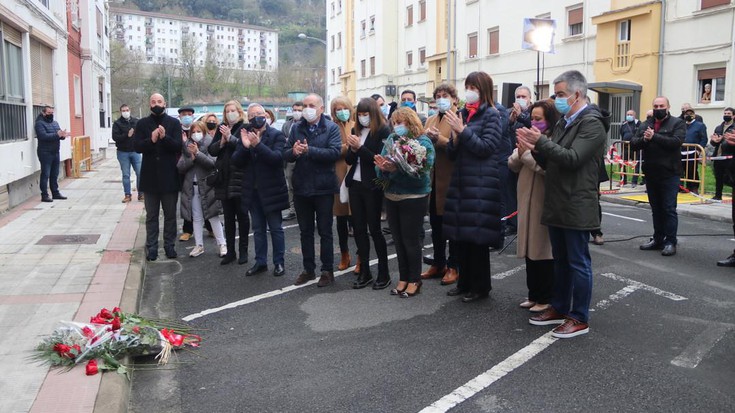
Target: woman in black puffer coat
(472, 211)
(229, 186)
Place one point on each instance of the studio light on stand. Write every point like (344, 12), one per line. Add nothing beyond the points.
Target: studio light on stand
(538, 35)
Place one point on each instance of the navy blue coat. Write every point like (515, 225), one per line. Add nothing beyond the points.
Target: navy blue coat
(47, 134)
(231, 184)
(263, 170)
(158, 172)
(314, 173)
(473, 208)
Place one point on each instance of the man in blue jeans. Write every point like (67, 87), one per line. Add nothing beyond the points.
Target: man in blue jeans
(660, 139)
(122, 133)
(572, 157)
(49, 135)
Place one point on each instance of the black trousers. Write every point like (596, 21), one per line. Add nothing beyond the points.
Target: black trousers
(473, 261)
(540, 280)
(365, 204)
(343, 232)
(50, 164)
(154, 202)
(235, 218)
(319, 208)
(720, 168)
(439, 240)
(406, 220)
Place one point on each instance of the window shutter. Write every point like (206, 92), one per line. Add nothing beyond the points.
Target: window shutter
(47, 74)
(706, 4)
(12, 35)
(41, 74)
(99, 23)
(711, 74)
(575, 16)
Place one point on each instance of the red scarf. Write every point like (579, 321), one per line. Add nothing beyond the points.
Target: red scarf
(471, 109)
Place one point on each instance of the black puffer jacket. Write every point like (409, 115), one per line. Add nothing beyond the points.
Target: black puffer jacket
(231, 184)
(473, 208)
(120, 130)
(662, 154)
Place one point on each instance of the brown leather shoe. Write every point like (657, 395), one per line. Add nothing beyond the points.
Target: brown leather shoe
(304, 278)
(326, 278)
(345, 261)
(127, 199)
(450, 277)
(548, 317)
(570, 328)
(357, 266)
(433, 272)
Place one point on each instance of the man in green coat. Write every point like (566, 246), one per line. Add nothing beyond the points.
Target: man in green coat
(572, 160)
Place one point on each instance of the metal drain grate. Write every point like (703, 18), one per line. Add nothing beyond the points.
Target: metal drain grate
(70, 239)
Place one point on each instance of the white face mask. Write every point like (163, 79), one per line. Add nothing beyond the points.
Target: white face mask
(268, 121)
(310, 114)
(470, 96)
(197, 136)
(126, 115)
(233, 116)
(297, 115)
(364, 120)
(523, 103)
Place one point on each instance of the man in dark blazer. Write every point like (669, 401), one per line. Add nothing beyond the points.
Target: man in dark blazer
(158, 138)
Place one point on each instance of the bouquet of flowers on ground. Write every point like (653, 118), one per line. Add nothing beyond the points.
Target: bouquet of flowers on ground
(110, 336)
(408, 155)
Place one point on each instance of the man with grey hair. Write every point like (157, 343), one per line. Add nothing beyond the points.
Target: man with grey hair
(572, 157)
(314, 146)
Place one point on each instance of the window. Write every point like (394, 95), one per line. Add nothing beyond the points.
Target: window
(334, 79)
(372, 66)
(372, 24)
(339, 40)
(77, 96)
(422, 10)
(409, 16)
(409, 59)
(493, 41)
(331, 42)
(706, 4)
(574, 21)
(472, 45)
(362, 68)
(624, 31)
(333, 9)
(422, 56)
(12, 59)
(363, 29)
(622, 49)
(711, 85)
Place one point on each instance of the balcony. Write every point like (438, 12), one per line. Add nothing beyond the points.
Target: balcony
(622, 55)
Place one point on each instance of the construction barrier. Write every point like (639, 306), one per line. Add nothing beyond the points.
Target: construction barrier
(693, 160)
(81, 153)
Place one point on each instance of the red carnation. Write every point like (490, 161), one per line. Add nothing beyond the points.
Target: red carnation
(116, 323)
(62, 349)
(105, 313)
(92, 367)
(87, 332)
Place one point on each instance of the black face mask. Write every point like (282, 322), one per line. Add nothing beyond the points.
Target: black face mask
(49, 118)
(660, 113)
(688, 118)
(211, 125)
(157, 110)
(727, 119)
(257, 122)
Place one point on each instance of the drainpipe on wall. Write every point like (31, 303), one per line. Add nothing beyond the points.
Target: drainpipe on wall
(454, 37)
(449, 39)
(662, 31)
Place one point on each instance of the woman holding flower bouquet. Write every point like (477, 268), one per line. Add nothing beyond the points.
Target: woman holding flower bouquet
(472, 210)
(404, 168)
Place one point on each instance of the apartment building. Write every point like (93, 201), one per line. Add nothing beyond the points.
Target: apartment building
(181, 40)
(630, 50)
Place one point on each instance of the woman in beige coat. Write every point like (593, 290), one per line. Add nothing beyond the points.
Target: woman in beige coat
(533, 237)
(343, 115)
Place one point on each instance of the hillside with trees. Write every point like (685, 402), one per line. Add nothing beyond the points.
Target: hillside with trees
(301, 62)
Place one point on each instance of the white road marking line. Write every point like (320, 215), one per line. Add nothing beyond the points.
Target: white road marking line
(508, 273)
(489, 377)
(525, 354)
(623, 217)
(702, 344)
(646, 287)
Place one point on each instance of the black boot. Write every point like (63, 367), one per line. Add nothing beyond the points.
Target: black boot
(243, 254)
(363, 280)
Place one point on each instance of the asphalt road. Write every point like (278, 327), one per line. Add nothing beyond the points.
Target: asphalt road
(662, 336)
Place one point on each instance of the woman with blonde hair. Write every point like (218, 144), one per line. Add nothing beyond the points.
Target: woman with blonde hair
(343, 116)
(404, 166)
(228, 181)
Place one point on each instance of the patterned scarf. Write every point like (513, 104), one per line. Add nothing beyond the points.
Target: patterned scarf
(471, 109)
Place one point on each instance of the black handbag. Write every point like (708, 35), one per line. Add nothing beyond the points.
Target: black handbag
(214, 179)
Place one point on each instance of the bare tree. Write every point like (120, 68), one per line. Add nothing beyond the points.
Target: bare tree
(125, 77)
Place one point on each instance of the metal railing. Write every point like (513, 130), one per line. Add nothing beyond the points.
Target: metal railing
(13, 125)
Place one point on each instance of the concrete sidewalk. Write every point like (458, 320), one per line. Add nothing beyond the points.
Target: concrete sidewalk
(65, 261)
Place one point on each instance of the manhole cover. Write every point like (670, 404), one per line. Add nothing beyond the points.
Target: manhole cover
(69, 239)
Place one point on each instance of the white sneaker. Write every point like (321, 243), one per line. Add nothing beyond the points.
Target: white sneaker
(197, 251)
(222, 250)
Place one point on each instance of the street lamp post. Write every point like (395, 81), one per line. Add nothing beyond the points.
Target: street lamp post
(326, 68)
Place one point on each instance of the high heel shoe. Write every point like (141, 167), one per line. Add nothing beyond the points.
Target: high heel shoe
(398, 290)
(406, 293)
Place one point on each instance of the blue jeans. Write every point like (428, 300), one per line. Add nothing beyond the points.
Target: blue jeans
(317, 207)
(259, 219)
(49, 171)
(128, 159)
(662, 193)
(572, 272)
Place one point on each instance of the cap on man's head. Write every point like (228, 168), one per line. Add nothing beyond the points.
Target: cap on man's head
(186, 109)
(690, 110)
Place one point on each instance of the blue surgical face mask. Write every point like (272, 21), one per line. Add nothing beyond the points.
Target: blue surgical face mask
(385, 109)
(187, 120)
(629, 118)
(432, 112)
(408, 104)
(400, 130)
(443, 104)
(562, 105)
(343, 115)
